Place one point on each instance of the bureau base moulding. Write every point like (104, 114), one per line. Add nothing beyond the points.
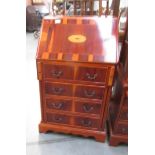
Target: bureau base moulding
(98, 135)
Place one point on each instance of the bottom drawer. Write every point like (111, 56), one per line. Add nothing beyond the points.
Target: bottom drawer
(58, 118)
(121, 129)
(80, 122)
(87, 122)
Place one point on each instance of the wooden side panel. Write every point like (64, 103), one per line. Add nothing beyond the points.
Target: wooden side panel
(39, 70)
(111, 75)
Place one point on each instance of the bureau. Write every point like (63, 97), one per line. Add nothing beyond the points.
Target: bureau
(76, 59)
(118, 114)
(118, 111)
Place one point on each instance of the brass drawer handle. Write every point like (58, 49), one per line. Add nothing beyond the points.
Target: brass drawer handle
(89, 93)
(57, 74)
(57, 90)
(86, 123)
(91, 77)
(87, 108)
(57, 119)
(58, 105)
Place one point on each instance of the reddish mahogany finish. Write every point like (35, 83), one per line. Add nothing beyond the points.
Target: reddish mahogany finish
(118, 111)
(58, 104)
(89, 92)
(88, 107)
(76, 61)
(118, 116)
(87, 122)
(58, 72)
(92, 74)
(57, 118)
(58, 89)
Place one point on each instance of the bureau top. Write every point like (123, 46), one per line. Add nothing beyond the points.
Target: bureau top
(79, 39)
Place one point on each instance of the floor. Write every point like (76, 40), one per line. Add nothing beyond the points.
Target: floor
(53, 143)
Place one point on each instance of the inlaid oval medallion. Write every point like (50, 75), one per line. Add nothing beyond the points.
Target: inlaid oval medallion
(78, 38)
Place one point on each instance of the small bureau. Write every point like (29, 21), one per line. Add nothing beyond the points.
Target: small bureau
(76, 60)
(118, 111)
(118, 114)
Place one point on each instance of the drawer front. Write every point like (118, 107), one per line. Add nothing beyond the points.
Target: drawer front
(89, 92)
(121, 129)
(87, 122)
(58, 71)
(124, 114)
(59, 104)
(92, 74)
(58, 89)
(85, 107)
(58, 118)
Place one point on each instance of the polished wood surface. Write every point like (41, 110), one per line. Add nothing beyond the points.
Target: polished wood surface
(58, 104)
(76, 61)
(92, 74)
(58, 72)
(118, 112)
(100, 46)
(88, 107)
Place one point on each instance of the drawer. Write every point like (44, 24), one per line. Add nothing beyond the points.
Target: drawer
(58, 89)
(89, 92)
(121, 129)
(92, 74)
(86, 122)
(87, 107)
(58, 118)
(59, 104)
(58, 71)
(124, 114)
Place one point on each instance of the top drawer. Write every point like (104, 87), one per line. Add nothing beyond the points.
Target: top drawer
(92, 74)
(58, 71)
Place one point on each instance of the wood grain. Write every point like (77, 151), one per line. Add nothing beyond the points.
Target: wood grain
(54, 38)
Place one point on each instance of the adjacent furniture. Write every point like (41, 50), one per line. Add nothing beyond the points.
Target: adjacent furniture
(87, 7)
(118, 111)
(118, 114)
(32, 22)
(76, 60)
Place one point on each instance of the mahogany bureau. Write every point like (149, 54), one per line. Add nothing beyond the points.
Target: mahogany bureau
(76, 60)
(118, 109)
(118, 114)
